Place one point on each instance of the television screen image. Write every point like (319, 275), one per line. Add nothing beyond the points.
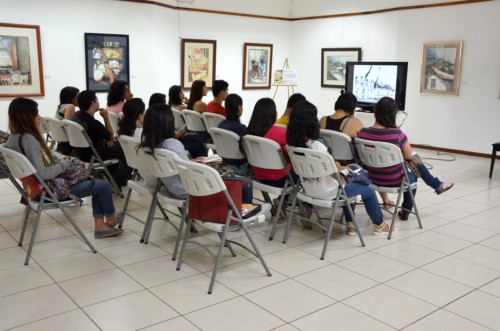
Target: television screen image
(371, 81)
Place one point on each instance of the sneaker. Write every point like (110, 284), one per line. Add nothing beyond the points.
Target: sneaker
(350, 229)
(382, 229)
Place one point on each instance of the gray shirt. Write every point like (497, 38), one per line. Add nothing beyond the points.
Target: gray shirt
(172, 183)
(33, 151)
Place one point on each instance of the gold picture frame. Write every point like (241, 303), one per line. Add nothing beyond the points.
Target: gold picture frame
(441, 68)
(21, 72)
(197, 61)
(257, 66)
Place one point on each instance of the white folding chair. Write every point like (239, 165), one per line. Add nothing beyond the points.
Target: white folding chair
(227, 144)
(45, 130)
(310, 164)
(113, 120)
(20, 167)
(178, 118)
(202, 180)
(78, 138)
(376, 154)
(339, 143)
(195, 122)
(266, 153)
(56, 130)
(212, 120)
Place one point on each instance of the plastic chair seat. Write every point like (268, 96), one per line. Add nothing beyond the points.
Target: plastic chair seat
(140, 187)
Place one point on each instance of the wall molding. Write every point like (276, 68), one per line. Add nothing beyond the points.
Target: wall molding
(455, 151)
(371, 12)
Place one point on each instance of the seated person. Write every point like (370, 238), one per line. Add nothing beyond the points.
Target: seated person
(262, 125)
(234, 109)
(386, 130)
(219, 89)
(118, 94)
(133, 118)
(27, 139)
(198, 91)
(157, 98)
(294, 98)
(303, 131)
(101, 135)
(176, 98)
(68, 100)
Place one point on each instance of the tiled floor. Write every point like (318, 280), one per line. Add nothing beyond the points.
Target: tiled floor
(445, 276)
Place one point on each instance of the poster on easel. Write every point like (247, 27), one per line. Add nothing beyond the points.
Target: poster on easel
(285, 76)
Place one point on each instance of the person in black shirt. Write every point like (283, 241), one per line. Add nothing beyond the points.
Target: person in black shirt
(102, 136)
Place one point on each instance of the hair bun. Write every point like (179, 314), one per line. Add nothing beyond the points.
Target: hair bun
(346, 101)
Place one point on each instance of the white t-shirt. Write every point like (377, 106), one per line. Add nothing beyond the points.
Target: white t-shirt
(324, 188)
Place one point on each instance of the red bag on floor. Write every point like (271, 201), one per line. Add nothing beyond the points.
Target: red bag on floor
(214, 208)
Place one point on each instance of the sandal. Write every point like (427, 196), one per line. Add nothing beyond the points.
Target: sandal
(442, 189)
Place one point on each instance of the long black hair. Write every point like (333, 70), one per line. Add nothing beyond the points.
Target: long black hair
(158, 126)
(196, 93)
(157, 98)
(67, 95)
(174, 98)
(116, 92)
(232, 104)
(263, 117)
(303, 125)
(385, 112)
(131, 112)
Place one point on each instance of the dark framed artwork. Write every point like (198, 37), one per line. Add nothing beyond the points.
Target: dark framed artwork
(257, 66)
(441, 64)
(333, 62)
(21, 73)
(198, 61)
(106, 60)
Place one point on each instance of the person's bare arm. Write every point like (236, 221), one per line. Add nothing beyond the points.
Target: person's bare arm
(322, 122)
(353, 127)
(407, 152)
(200, 107)
(69, 111)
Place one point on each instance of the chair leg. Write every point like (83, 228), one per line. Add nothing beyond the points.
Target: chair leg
(77, 228)
(223, 237)
(276, 216)
(149, 219)
(493, 158)
(289, 220)
(412, 197)
(400, 195)
(179, 234)
(256, 249)
(121, 215)
(115, 186)
(184, 242)
(349, 209)
(33, 232)
(25, 224)
(329, 233)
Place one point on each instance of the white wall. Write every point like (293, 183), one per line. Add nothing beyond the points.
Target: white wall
(467, 122)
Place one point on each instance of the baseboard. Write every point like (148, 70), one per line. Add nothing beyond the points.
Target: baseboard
(455, 151)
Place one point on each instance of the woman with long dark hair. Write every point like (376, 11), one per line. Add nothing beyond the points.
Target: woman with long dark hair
(176, 98)
(27, 139)
(133, 117)
(386, 130)
(198, 91)
(303, 131)
(118, 93)
(68, 100)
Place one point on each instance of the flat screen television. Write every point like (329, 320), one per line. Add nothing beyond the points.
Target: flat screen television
(370, 81)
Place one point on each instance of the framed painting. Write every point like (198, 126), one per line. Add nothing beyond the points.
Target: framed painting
(257, 66)
(21, 73)
(441, 63)
(197, 61)
(333, 65)
(106, 60)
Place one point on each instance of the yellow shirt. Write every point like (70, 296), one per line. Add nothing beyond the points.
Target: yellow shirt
(284, 120)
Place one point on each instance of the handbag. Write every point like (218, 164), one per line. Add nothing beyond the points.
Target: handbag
(215, 207)
(75, 173)
(413, 164)
(355, 174)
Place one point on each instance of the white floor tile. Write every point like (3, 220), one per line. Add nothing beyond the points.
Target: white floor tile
(130, 312)
(390, 306)
(74, 320)
(293, 262)
(23, 278)
(409, 253)
(12, 257)
(56, 248)
(464, 232)
(439, 242)
(485, 256)
(238, 311)
(479, 307)
(445, 321)
(178, 323)
(492, 288)
(129, 253)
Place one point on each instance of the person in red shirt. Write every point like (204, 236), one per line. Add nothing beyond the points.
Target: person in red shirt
(220, 91)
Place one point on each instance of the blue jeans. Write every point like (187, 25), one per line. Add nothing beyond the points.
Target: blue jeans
(369, 199)
(428, 179)
(102, 196)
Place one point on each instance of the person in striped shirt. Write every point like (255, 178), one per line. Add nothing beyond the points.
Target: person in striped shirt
(385, 130)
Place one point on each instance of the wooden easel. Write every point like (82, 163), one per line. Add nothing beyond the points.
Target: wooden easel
(289, 86)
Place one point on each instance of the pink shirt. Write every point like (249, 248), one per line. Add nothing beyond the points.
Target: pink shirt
(116, 108)
(279, 135)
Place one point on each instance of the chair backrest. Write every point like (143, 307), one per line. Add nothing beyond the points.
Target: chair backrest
(283, 126)
(310, 163)
(377, 154)
(18, 164)
(178, 118)
(194, 120)
(263, 153)
(56, 129)
(199, 179)
(43, 127)
(162, 164)
(76, 134)
(113, 120)
(227, 143)
(340, 144)
(212, 120)
(129, 147)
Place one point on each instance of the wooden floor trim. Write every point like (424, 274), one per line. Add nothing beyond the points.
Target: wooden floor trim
(454, 151)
